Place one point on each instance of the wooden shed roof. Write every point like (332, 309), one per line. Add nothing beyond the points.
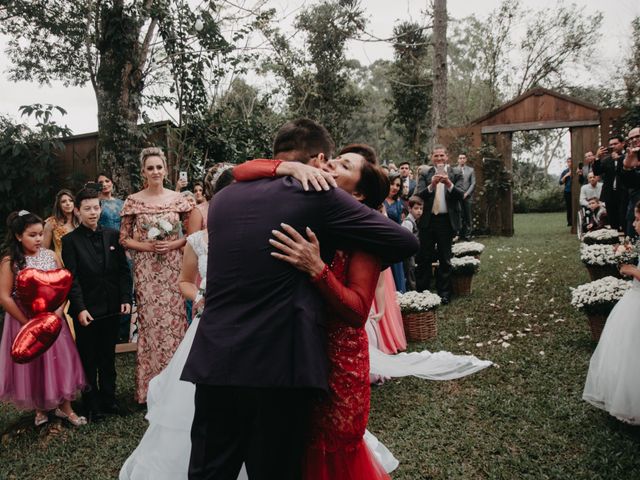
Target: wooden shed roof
(539, 108)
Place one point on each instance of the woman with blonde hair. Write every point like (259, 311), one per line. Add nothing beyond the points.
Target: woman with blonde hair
(151, 229)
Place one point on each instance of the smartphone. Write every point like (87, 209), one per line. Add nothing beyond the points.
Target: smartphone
(183, 176)
(580, 165)
(440, 170)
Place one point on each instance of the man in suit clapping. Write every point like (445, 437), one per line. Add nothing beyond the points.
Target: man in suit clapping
(468, 186)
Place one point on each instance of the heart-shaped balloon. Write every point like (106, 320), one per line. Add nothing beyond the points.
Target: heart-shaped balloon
(43, 290)
(35, 337)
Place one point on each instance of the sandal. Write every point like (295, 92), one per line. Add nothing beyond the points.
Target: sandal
(41, 418)
(72, 418)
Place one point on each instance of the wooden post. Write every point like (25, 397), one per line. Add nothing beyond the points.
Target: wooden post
(583, 139)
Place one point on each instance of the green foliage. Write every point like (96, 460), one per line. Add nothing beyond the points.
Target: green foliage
(318, 78)
(411, 87)
(29, 160)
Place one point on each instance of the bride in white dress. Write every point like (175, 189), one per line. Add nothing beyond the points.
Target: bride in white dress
(612, 382)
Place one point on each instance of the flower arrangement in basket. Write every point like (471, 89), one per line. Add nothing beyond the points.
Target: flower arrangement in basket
(596, 299)
(463, 249)
(463, 269)
(600, 260)
(419, 314)
(603, 236)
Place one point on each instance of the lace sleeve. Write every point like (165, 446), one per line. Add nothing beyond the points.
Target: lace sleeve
(351, 301)
(255, 169)
(197, 241)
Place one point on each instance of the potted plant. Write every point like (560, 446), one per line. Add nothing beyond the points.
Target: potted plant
(462, 275)
(600, 260)
(419, 314)
(596, 299)
(464, 249)
(603, 236)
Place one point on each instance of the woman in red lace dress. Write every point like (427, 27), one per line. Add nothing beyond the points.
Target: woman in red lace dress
(337, 450)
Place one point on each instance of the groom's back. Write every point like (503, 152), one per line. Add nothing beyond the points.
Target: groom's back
(263, 321)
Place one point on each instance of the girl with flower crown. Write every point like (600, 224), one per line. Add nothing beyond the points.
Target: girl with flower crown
(151, 230)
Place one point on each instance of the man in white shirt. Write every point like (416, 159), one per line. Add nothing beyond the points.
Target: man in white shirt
(441, 190)
(591, 189)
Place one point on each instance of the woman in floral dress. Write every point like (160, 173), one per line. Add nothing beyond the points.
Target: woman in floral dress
(151, 223)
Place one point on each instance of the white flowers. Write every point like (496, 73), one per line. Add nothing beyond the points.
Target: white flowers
(462, 249)
(603, 236)
(153, 233)
(598, 254)
(418, 301)
(161, 228)
(165, 225)
(465, 264)
(603, 292)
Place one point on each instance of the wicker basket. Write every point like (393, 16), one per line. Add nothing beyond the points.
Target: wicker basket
(600, 271)
(461, 284)
(596, 324)
(420, 326)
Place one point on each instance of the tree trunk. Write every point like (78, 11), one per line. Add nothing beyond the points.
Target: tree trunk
(439, 106)
(119, 85)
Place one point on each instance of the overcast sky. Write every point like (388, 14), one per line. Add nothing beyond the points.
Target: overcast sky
(81, 106)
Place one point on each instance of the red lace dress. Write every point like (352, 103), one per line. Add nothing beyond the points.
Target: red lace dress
(337, 450)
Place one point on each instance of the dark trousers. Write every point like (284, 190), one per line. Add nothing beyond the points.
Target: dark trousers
(409, 265)
(96, 345)
(266, 428)
(465, 218)
(439, 233)
(613, 204)
(568, 205)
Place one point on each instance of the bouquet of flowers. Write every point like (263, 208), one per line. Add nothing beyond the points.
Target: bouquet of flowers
(599, 296)
(597, 254)
(604, 236)
(463, 249)
(414, 302)
(162, 228)
(626, 252)
(465, 265)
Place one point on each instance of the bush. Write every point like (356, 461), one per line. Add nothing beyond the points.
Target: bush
(544, 200)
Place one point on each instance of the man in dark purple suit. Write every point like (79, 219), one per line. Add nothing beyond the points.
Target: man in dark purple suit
(259, 356)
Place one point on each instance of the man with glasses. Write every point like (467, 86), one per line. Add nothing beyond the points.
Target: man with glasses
(608, 165)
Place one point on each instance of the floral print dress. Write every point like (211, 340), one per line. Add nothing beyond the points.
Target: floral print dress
(161, 310)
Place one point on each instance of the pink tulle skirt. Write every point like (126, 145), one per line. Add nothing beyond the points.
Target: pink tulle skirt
(45, 382)
(390, 329)
(343, 464)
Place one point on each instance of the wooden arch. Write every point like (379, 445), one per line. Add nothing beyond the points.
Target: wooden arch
(536, 109)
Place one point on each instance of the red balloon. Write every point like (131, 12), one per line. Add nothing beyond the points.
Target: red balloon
(43, 290)
(35, 337)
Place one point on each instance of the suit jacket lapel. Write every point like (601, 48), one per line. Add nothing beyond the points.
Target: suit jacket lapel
(105, 246)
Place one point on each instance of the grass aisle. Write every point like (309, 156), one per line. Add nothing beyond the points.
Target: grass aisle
(522, 419)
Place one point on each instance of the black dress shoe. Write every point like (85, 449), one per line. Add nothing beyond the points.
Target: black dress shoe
(445, 300)
(112, 409)
(95, 416)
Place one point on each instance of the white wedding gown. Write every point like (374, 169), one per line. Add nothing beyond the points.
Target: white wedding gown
(163, 453)
(613, 383)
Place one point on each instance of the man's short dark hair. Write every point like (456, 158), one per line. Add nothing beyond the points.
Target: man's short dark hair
(85, 194)
(305, 139)
(618, 137)
(404, 163)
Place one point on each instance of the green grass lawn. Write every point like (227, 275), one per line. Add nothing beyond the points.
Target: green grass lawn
(524, 418)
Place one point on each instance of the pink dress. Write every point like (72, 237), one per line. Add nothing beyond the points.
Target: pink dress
(390, 329)
(161, 311)
(50, 379)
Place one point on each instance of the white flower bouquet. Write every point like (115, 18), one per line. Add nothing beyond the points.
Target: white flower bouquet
(414, 302)
(599, 296)
(603, 236)
(463, 249)
(161, 229)
(626, 252)
(465, 265)
(598, 255)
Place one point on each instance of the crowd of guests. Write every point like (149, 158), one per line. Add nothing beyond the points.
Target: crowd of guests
(609, 185)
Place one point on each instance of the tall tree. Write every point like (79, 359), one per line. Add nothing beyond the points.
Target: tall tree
(439, 108)
(318, 78)
(114, 46)
(411, 85)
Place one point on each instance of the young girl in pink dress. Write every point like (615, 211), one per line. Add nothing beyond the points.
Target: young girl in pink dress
(53, 379)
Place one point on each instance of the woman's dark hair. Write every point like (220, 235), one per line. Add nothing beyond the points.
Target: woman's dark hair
(393, 176)
(57, 210)
(373, 183)
(224, 180)
(217, 177)
(17, 223)
(103, 174)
